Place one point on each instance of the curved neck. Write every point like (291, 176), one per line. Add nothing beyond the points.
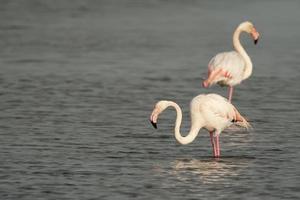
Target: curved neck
(195, 127)
(239, 48)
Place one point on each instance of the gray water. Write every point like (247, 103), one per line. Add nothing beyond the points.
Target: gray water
(79, 79)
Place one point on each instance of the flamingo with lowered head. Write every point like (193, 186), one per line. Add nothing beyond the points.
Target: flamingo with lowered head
(230, 68)
(210, 111)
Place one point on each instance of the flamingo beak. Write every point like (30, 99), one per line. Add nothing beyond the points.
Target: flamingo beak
(255, 41)
(255, 35)
(153, 117)
(154, 124)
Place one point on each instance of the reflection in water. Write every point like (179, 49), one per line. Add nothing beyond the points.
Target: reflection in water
(208, 170)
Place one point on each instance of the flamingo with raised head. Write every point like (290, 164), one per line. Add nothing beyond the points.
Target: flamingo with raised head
(210, 111)
(230, 68)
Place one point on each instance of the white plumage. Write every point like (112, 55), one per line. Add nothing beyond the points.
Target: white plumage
(230, 68)
(211, 111)
(233, 63)
(216, 113)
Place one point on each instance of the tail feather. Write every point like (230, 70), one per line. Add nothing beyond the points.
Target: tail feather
(241, 121)
(244, 123)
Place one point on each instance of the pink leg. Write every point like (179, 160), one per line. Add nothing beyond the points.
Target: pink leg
(213, 143)
(217, 146)
(212, 75)
(230, 92)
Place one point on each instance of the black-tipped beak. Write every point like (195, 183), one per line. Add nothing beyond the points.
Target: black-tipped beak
(153, 124)
(255, 35)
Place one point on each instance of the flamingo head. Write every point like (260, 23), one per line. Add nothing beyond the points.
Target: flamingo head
(158, 108)
(249, 28)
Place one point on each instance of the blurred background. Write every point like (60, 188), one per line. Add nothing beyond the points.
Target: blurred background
(79, 79)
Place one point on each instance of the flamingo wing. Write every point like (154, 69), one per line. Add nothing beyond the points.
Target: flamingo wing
(231, 63)
(221, 107)
(226, 111)
(217, 111)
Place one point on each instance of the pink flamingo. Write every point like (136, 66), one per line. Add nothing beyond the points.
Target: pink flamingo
(211, 111)
(230, 68)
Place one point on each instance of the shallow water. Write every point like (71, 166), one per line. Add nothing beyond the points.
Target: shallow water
(79, 79)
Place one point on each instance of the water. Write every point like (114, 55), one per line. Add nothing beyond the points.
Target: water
(79, 79)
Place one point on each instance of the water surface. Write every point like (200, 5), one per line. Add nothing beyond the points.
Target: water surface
(79, 79)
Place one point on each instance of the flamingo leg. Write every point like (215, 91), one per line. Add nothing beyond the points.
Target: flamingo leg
(217, 146)
(212, 75)
(213, 143)
(230, 92)
(214, 139)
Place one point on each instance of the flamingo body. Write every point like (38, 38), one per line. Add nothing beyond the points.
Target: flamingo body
(232, 63)
(230, 68)
(210, 111)
(214, 111)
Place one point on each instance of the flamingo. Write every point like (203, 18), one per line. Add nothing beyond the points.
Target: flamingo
(230, 68)
(210, 111)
